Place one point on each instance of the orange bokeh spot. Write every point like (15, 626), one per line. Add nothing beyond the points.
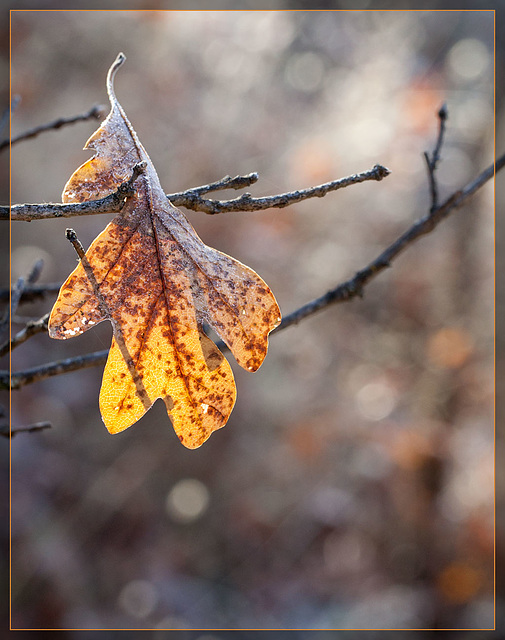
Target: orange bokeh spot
(450, 347)
(459, 582)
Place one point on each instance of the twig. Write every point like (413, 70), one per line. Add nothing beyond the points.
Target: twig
(37, 426)
(110, 204)
(354, 287)
(17, 291)
(5, 116)
(35, 374)
(345, 291)
(140, 389)
(33, 327)
(191, 198)
(33, 292)
(34, 274)
(432, 162)
(96, 112)
(238, 182)
(246, 202)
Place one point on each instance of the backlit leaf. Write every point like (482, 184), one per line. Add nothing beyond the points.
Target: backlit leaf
(158, 283)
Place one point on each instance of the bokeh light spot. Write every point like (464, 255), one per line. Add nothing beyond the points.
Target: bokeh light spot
(305, 72)
(138, 598)
(450, 347)
(187, 501)
(376, 400)
(468, 58)
(459, 582)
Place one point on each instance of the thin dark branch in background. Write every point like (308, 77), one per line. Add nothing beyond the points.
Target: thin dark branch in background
(33, 292)
(30, 329)
(37, 426)
(35, 374)
(5, 116)
(18, 289)
(191, 198)
(344, 292)
(354, 287)
(432, 162)
(97, 112)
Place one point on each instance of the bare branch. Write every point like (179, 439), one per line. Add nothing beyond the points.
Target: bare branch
(37, 426)
(191, 198)
(104, 308)
(238, 182)
(432, 162)
(19, 288)
(354, 287)
(33, 292)
(5, 115)
(110, 204)
(96, 112)
(246, 202)
(31, 328)
(35, 374)
(344, 292)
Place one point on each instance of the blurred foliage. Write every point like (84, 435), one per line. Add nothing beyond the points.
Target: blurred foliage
(353, 484)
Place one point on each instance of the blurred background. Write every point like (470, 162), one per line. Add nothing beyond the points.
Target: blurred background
(353, 484)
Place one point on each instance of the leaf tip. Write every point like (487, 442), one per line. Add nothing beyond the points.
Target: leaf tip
(112, 72)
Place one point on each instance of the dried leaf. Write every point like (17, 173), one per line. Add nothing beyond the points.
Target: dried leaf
(158, 283)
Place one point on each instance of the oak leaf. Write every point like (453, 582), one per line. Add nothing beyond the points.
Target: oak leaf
(150, 274)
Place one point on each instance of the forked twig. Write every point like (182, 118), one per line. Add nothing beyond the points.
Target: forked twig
(246, 202)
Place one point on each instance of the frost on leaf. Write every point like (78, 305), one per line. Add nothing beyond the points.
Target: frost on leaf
(150, 274)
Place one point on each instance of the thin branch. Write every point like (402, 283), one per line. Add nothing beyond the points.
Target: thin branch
(96, 112)
(7, 112)
(354, 287)
(432, 162)
(19, 288)
(33, 292)
(31, 328)
(246, 202)
(37, 426)
(110, 204)
(140, 389)
(344, 292)
(35, 374)
(238, 182)
(191, 198)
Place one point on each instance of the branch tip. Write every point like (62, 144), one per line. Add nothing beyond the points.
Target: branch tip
(381, 171)
(71, 235)
(443, 112)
